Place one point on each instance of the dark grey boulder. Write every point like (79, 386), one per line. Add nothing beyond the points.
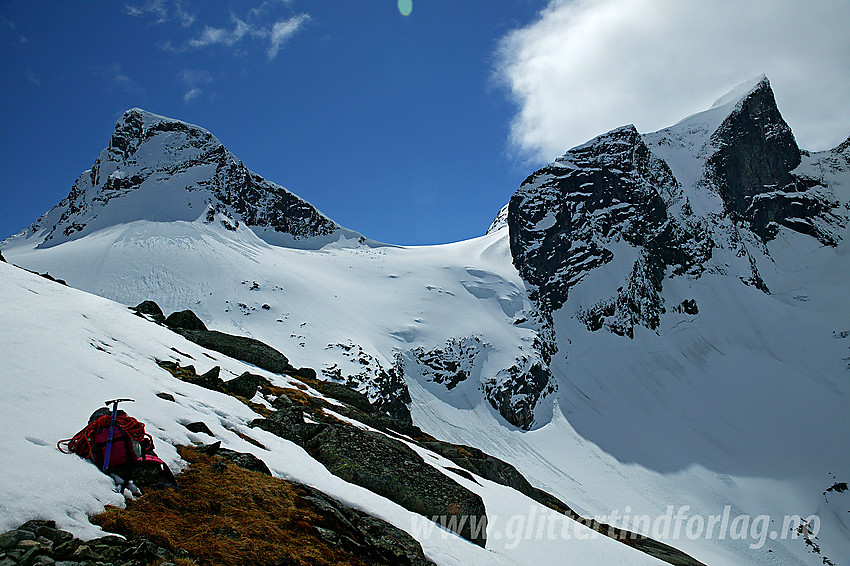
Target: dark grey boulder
(186, 320)
(210, 379)
(199, 427)
(372, 539)
(390, 468)
(245, 385)
(151, 309)
(288, 422)
(248, 350)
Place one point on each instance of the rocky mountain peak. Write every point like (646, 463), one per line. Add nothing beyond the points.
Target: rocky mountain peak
(755, 150)
(661, 204)
(565, 216)
(137, 126)
(163, 170)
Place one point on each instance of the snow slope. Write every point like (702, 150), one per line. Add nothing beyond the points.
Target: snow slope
(732, 407)
(64, 351)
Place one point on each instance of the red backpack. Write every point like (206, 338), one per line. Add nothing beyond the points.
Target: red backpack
(130, 445)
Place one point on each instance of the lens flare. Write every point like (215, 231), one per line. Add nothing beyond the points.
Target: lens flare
(405, 7)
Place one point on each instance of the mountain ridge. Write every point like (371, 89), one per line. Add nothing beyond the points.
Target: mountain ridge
(648, 310)
(164, 169)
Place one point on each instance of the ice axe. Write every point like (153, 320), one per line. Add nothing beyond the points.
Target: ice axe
(114, 403)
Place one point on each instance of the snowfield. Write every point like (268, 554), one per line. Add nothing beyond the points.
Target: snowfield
(65, 351)
(731, 407)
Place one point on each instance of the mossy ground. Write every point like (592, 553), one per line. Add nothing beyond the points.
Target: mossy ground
(226, 515)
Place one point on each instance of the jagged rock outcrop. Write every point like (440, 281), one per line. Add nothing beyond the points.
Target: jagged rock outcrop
(163, 169)
(564, 215)
(383, 386)
(40, 542)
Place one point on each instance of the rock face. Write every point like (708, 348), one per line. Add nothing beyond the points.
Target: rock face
(564, 215)
(383, 465)
(249, 350)
(389, 468)
(755, 151)
(657, 205)
(161, 169)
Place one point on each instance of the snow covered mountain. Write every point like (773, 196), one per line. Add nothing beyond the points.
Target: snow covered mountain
(654, 319)
(165, 170)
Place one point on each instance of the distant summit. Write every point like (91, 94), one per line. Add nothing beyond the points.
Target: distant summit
(164, 170)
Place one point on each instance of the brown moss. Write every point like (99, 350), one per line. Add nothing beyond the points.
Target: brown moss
(226, 515)
(298, 396)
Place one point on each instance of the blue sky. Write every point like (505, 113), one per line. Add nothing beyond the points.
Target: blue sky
(390, 124)
(410, 129)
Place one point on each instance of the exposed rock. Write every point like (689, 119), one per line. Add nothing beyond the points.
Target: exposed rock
(3, 259)
(515, 391)
(40, 543)
(184, 320)
(390, 468)
(288, 422)
(802, 205)
(242, 459)
(242, 348)
(383, 465)
(145, 152)
(245, 385)
(564, 214)
(209, 380)
(232, 504)
(371, 538)
(151, 309)
(345, 394)
(166, 396)
(755, 150)
(199, 427)
(384, 387)
(451, 364)
(688, 306)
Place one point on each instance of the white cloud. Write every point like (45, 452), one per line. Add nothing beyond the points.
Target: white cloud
(12, 30)
(163, 11)
(118, 78)
(185, 17)
(259, 24)
(277, 34)
(212, 36)
(586, 66)
(191, 94)
(193, 80)
(281, 31)
(154, 8)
